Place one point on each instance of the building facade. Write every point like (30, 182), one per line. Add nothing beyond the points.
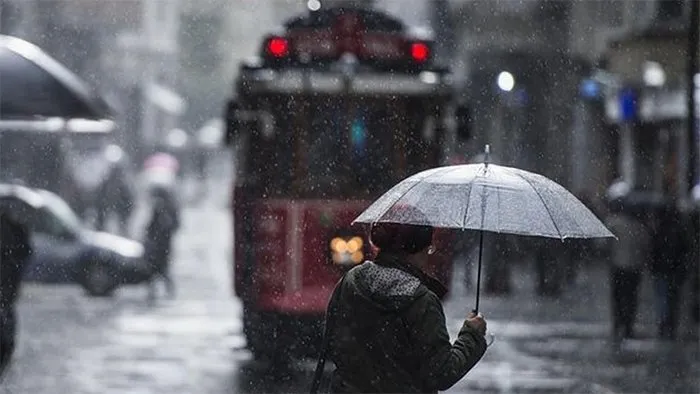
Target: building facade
(550, 48)
(650, 63)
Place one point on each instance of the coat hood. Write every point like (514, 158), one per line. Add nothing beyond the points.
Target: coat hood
(385, 288)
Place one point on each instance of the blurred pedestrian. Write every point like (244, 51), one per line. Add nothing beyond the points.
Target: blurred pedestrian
(162, 226)
(551, 260)
(15, 249)
(629, 256)
(116, 196)
(695, 294)
(162, 170)
(497, 257)
(671, 256)
(385, 325)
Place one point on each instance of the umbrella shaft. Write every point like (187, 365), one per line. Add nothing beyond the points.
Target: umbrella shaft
(478, 272)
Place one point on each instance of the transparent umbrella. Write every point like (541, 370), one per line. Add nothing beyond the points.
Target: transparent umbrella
(486, 197)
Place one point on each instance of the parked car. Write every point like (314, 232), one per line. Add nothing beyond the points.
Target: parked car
(66, 251)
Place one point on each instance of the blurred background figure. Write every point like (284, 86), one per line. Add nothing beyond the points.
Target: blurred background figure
(103, 183)
(672, 248)
(15, 249)
(162, 225)
(669, 266)
(161, 169)
(89, 169)
(178, 143)
(628, 259)
(115, 196)
(551, 259)
(207, 156)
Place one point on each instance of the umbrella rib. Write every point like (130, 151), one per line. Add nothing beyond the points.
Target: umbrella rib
(397, 200)
(466, 207)
(541, 199)
(379, 218)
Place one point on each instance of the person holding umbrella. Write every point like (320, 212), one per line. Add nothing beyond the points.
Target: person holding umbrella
(481, 197)
(387, 330)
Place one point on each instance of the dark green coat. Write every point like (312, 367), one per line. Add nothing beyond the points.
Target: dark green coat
(389, 333)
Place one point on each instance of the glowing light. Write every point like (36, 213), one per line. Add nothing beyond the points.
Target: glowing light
(506, 81)
(358, 134)
(335, 242)
(339, 245)
(354, 244)
(177, 138)
(359, 241)
(420, 51)
(313, 5)
(654, 74)
(114, 153)
(278, 47)
(357, 257)
(347, 251)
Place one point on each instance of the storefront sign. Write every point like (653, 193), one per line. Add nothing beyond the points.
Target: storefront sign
(652, 106)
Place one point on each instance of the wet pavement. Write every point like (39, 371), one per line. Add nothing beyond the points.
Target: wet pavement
(193, 344)
(562, 344)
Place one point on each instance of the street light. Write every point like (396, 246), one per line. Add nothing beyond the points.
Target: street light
(506, 81)
(654, 74)
(313, 5)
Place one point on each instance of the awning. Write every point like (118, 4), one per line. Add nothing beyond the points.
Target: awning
(33, 84)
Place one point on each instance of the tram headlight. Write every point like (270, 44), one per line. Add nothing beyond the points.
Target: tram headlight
(339, 245)
(354, 244)
(347, 250)
(357, 257)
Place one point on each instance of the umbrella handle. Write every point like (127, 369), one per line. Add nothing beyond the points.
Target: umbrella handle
(489, 336)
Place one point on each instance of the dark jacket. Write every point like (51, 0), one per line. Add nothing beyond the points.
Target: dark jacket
(15, 248)
(390, 334)
(672, 242)
(161, 228)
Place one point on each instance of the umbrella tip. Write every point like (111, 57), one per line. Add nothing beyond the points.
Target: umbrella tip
(487, 152)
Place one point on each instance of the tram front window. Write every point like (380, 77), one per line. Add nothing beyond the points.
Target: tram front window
(350, 152)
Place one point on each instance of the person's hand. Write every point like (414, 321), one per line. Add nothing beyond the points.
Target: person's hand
(477, 322)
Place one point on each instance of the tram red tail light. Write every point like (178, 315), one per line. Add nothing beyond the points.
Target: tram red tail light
(420, 52)
(278, 47)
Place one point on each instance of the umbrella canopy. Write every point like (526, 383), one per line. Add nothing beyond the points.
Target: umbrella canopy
(33, 84)
(487, 197)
